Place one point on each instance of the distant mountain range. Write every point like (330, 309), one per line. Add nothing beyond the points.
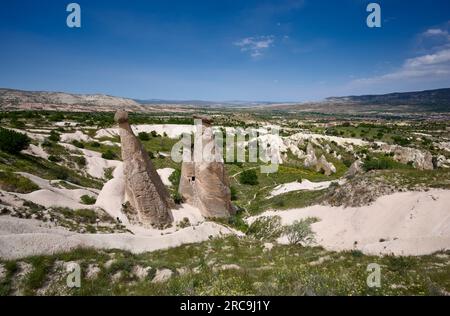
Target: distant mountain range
(422, 101)
(405, 102)
(433, 99)
(11, 99)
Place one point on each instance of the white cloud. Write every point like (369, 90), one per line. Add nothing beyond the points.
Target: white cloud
(255, 46)
(435, 32)
(431, 66)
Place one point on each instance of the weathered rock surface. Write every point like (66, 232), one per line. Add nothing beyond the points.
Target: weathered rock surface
(311, 159)
(442, 162)
(355, 169)
(422, 160)
(361, 190)
(327, 167)
(143, 187)
(162, 275)
(320, 164)
(205, 184)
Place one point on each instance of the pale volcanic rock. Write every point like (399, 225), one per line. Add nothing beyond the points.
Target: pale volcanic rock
(311, 159)
(145, 191)
(422, 160)
(205, 184)
(355, 169)
(327, 167)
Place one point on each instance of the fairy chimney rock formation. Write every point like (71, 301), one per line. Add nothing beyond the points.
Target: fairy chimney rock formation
(205, 184)
(145, 191)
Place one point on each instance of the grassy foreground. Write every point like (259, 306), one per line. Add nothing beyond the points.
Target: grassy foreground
(229, 266)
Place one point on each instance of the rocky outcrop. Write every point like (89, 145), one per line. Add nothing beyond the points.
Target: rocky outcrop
(321, 164)
(442, 162)
(205, 184)
(422, 160)
(311, 159)
(144, 189)
(355, 169)
(361, 190)
(324, 166)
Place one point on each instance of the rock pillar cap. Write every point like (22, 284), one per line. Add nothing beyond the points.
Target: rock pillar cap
(121, 116)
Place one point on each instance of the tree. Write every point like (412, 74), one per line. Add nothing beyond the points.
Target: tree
(248, 177)
(300, 232)
(109, 155)
(12, 141)
(144, 136)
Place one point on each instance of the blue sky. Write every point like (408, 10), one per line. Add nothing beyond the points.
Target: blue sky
(283, 50)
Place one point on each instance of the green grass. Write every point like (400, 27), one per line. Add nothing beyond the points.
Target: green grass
(44, 169)
(410, 178)
(284, 270)
(6, 283)
(12, 182)
(88, 200)
(36, 278)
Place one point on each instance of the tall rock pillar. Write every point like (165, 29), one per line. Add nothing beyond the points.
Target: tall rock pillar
(144, 188)
(204, 183)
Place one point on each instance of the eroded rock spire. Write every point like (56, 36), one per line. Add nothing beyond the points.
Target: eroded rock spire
(145, 191)
(205, 184)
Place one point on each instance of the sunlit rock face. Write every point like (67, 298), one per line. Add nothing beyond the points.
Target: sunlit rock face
(147, 195)
(205, 184)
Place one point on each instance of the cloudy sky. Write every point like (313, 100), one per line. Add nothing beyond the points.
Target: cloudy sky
(281, 50)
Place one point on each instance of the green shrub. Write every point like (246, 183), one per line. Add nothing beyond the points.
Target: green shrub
(88, 200)
(54, 136)
(144, 136)
(36, 278)
(108, 173)
(347, 162)
(249, 177)
(401, 264)
(154, 134)
(77, 143)
(382, 163)
(266, 228)
(86, 216)
(109, 155)
(80, 160)
(47, 143)
(12, 182)
(54, 158)
(177, 197)
(402, 141)
(13, 142)
(17, 124)
(300, 232)
(234, 195)
(174, 178)
(184, 223)
(95, 144)
(151, 154)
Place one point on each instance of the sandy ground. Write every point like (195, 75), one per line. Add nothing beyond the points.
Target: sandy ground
(410, 223)
(78, 135)
(50, 196)
(164, 174)
(95, 164)
(35, 136)
(305, 185)
(112, 195)
(26, 237)
(21, 238)
(36, 151)
(66, 123)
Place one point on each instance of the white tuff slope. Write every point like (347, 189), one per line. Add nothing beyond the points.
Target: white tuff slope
(410, 223)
